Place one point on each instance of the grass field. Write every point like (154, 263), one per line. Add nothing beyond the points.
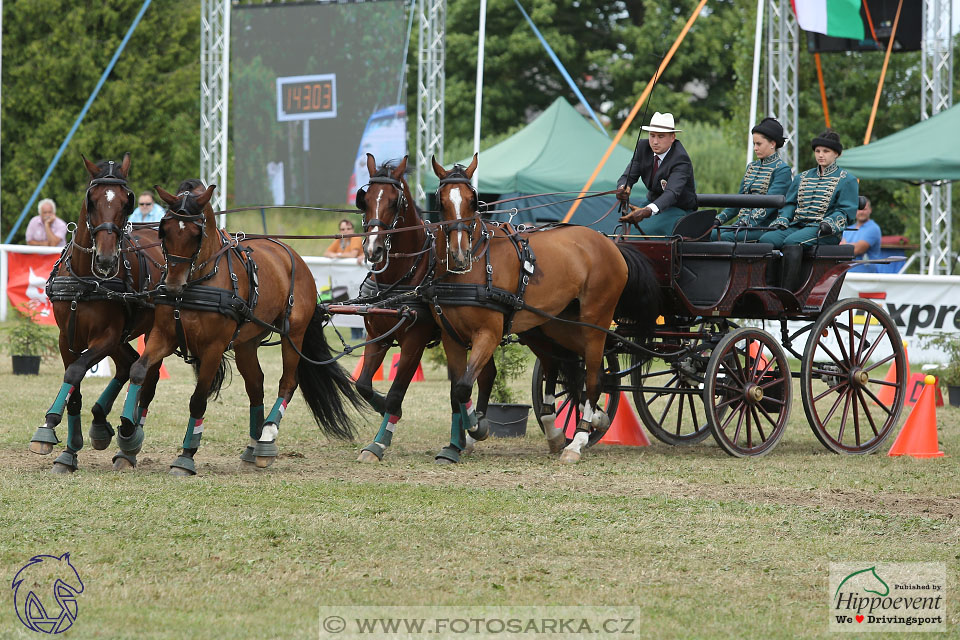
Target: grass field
(698, 544)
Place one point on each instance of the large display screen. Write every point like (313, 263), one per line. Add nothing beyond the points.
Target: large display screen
(314, 87)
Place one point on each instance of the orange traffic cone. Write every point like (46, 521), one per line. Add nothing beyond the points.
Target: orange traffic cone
(755, 352)
(141, 345)
(417, 375)
(625, 428)
(918, 438)
(887, 393)
(567, 420)
(356, 371)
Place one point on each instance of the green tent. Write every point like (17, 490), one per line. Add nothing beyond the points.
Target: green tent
(558, 151)
(927, 151)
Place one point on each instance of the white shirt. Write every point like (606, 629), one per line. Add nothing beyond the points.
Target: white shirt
(661, 156)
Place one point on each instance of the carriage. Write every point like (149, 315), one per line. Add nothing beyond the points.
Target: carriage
(715, 365)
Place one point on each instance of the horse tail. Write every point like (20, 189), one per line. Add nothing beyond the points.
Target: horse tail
(224, 372)
(325, 387)
(639, 304)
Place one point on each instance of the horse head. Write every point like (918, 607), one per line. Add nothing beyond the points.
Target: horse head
(383, 203)
(183, 230)
(106, 206)
(60, 583)
(458, 202)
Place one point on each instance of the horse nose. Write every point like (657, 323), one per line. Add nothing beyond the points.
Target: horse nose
(376, 255)
(106, 262)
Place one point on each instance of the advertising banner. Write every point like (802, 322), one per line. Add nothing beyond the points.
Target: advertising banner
(27, 276)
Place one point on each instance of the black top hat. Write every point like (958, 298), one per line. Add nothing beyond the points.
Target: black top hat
(772, 129)
(829, 139)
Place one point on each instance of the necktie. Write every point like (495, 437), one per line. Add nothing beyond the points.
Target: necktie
(656, 164)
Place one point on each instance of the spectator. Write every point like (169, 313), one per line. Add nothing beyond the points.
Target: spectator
(865, 236)
(345, 247)
(46, 229)
(147, 210)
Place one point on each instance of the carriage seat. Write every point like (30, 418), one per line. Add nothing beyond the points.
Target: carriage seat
(753, 249)
(828, 251)
(695, 226)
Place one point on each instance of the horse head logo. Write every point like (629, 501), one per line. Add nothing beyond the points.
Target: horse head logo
(39, 584)
(865, 580)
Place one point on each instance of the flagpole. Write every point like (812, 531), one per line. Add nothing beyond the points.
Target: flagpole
(477, 108)
(755, 83)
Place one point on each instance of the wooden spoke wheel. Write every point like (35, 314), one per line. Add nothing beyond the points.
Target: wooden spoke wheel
(669, 394)
(851, 402)
(569, 411)
(747, 392)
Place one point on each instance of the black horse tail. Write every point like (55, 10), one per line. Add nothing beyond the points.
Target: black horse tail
(224, 373)
(640, 302)
(325, 387)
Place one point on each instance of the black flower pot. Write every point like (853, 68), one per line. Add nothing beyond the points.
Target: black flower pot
(508, 420)
(953, 395)
(26, 365)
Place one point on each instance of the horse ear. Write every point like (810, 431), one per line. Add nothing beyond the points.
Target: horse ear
(204, 198)
(125, 165)
(398, 172)
(473, 166)
(371, 164)
(166, 197)
(361, 200)
(91, 168)
(438, 168)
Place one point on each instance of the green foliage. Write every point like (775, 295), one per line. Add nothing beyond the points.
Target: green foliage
(53, 54)
(949, 345)
(25, 337)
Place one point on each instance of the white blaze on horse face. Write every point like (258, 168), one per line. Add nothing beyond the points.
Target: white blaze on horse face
(372, 238)
(110, 195)
(457, 200)
(182, 226)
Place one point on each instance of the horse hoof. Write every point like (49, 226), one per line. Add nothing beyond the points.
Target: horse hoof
(182, 473)
(122, 464)
(558, 443)
(100, 445)
(248, 467)
(569, 457)
(41, 448)
(439, 460)
(262, 462)
(367, 456)
(61, 468)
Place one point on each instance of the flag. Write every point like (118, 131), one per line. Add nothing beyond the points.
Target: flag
(835, 18)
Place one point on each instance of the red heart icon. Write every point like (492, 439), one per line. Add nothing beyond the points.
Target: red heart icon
(859, 618)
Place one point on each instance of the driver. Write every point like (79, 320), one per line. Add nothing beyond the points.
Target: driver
(667, 173)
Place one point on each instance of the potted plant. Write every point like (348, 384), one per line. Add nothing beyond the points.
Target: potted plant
(28, 342)
(948, 374)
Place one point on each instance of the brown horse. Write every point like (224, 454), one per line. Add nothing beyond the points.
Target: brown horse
(547, 284)
(95, 289)
(219, 293)
(387, 205)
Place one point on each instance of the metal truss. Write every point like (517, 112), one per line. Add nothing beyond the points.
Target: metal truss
(214, 97)
(936, 253)
(430, 86)
(782, 54)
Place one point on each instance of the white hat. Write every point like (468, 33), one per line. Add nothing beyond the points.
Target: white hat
(661, 123)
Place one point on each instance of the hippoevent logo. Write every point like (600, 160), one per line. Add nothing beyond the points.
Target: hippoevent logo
(45, 593)
(887, 596)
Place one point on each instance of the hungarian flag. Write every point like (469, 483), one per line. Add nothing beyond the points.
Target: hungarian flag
(835, 18)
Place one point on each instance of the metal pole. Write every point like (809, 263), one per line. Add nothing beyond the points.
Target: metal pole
(755, 83)
(479, 103)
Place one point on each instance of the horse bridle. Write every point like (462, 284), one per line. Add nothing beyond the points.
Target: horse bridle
(401, 207)
(181, 214)
(111, 179)
(458, 175)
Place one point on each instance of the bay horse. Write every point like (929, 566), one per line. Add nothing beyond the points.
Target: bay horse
(387, 205)
(95, 289)
(219, 292)
(549, 283)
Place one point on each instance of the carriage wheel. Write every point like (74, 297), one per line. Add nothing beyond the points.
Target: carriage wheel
(849, 405)
(747, 393)
(669, 395)
(609, 401)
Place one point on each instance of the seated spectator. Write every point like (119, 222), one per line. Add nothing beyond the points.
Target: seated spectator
(345, 247)
(147, 210)
(46, 229)
(864, 235)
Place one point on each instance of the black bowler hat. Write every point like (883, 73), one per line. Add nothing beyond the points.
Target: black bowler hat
(829, 139)
(772, 129)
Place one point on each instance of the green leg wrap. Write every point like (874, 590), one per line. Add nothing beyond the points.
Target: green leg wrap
(384, 436)
(45, 434)
(194, 432)
(60, 402)
(185, 463)
(256, 421)
(130, 404)
(247, 455)
(132, 444)
(109, 395)
(74, 433)
(129, 457)
(458, 440)
(67, 459)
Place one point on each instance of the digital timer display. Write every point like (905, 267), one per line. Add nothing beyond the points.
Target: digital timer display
(307, 97)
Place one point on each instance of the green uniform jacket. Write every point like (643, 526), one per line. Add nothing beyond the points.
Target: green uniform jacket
(815, 198)
(770, 176)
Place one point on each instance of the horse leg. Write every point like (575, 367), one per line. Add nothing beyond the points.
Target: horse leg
(463, 374)
(477, 426)
(101, 431)
(66, 462)
(265, 451)
(556, 438)
(122, 460)
(130, 439)
(373, 355)
(249, 367)
(206, 371)
(593, 417)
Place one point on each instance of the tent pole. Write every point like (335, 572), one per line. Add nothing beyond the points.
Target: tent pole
(883, 74)
(755, 82)
(636, 109)
(478, 107)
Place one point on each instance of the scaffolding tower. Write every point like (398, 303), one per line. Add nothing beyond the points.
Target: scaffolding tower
(430, 85)
(214, 97)
(782, 54)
